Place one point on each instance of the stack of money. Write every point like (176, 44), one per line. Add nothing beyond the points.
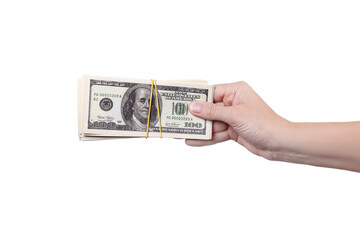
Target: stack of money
(116, 108)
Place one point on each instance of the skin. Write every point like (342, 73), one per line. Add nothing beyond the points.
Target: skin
(141, 104)
(239, 114)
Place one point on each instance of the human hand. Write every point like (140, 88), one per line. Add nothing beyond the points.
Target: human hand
(241, 115)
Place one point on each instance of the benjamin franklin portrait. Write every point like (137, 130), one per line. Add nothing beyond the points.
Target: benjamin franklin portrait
(135, 107)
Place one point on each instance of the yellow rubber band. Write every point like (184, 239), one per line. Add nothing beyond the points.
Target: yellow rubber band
(148, 121)
(158, 109)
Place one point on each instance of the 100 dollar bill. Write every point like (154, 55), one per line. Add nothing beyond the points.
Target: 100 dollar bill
(111, 107)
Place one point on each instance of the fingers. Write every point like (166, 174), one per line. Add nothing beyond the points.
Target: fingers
(211, 111)
(224, 94)
(219, 126)
(219, 135)
(222, 90)
(217, 138)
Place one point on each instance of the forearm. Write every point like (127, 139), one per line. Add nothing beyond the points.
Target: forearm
(335, 145)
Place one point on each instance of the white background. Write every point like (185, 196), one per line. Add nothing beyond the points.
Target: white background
(301, 57)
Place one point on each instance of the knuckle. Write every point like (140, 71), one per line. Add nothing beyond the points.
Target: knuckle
(243, 84)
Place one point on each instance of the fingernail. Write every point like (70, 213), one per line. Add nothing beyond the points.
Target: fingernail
(195, 107)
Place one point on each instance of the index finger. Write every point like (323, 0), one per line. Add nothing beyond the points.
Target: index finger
(227, 90)
(219, 92)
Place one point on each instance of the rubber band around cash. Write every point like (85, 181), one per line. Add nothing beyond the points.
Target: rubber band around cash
(153, 82)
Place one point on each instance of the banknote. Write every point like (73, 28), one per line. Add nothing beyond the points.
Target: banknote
(110, 108)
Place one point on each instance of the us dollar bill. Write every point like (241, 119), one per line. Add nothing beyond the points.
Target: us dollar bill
(110, 108)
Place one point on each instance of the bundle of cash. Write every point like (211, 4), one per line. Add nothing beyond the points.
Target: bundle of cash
(116, 108)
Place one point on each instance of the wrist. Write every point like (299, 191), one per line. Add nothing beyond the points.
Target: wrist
(288, 140)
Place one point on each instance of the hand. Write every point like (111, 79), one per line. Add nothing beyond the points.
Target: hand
(241, 115)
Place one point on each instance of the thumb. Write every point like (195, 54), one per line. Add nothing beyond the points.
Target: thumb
(211, 111)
